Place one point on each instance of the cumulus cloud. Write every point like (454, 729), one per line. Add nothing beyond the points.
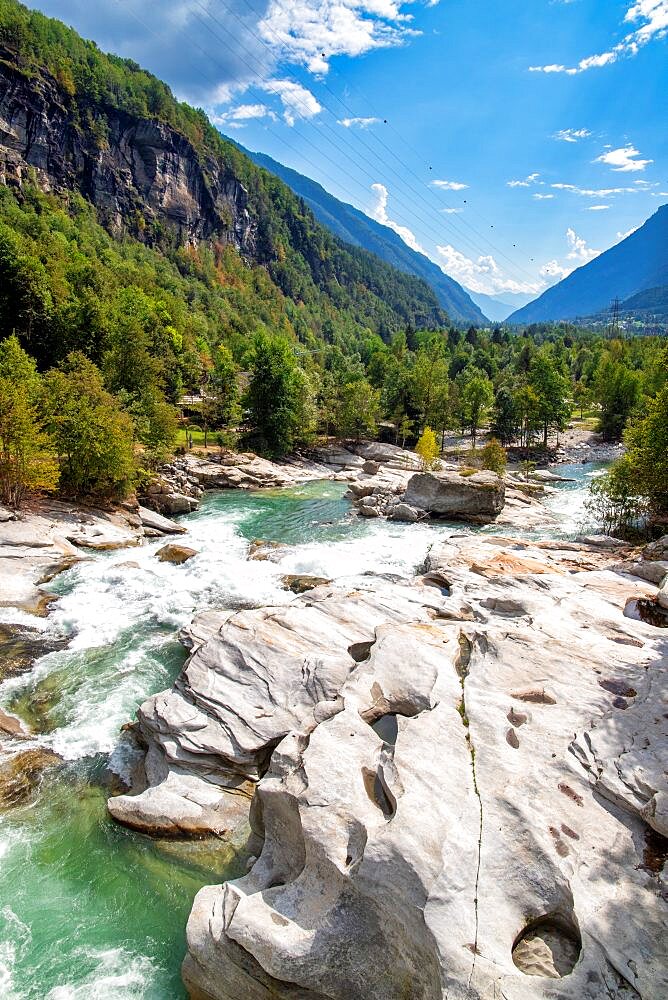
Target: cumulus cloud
(242, 113)
(378, 211)
(357, 122)
(527, 182)
(623, 160)
(297, 101)
(572, 134)
(578, 248)
(482, 275)
(553, 271)
(311, 32)
(651, 19)
(449, 185)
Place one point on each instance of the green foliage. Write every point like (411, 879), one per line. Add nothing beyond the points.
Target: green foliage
(476, 396)
(428, 449)
(278, 397)
(618, 390)
(27, 460)
(92, 435)
(358, 409)
(647, 456)
(493, 457)
(616, 501)
(551, 389)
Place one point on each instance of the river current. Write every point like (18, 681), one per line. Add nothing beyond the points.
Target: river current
(89, 909)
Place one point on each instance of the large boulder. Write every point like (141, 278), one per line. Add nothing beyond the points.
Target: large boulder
(480, 495)
(176, 554)
(662, 596)
(433, 829)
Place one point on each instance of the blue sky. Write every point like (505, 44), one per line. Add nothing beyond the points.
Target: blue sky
(510, 141)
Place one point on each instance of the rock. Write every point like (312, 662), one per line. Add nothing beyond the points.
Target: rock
(402, 826)
(11, 726)
(404, 512)
(176, 554)
(662, 596)
(449, 494)
(21, 773)
(161, 525)
(387, 454)
(652, 571)
(264, 551)
(299, 583)
(338, 457)
(601, 541)
(371, 468)
(175, 503)
(657, 549)
(546, 476)
(369, 510)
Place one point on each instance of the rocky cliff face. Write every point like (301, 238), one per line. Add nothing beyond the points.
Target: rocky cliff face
(141, 174)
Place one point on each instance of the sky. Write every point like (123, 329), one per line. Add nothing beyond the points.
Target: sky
(510, 141)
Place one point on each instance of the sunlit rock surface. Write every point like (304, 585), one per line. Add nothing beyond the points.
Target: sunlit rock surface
(458, 784)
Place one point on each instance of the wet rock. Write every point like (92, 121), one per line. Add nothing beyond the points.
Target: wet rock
(299, 583)
(264, 551)
(161, 525)
(21, 774)
(449, 494)
(404, 512)
(176, 554)
(11, 726)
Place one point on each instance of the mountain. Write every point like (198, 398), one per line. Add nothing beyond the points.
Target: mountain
(356, 228)
(651, 300)
(75, 122)
(498, 307)
(637, 263)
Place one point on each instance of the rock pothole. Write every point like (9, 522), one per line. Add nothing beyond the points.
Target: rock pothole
(548, 947)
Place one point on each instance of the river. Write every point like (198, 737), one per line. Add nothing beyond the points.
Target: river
(89, 909)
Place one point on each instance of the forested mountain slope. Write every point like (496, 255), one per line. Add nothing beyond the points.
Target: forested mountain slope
(353, 226)
(637, 263)
(79, 123)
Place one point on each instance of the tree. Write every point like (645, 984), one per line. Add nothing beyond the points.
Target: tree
(505, 422)
(358, 410)
(647, 453)
(279, 397)
(551, 389)
(427, 449)
(493, 457)
(618, 391)
(220, 402)
(528, 414)
(27, 459)
(582, 396)
(92, 435)
(477, 395)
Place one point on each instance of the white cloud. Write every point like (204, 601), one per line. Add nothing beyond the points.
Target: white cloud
(311, 32)
(378, 212)
(623, 236)
(357, 122)
(527, 182)
(238, 116)
(578, 249)
(482, 275)
(623, 160)
(297, 101)
(594, 192)
(451, 211)
(653, 14)
(449, 185)
(553, 271)
(543, 197)
(596, 208)
(572, 134)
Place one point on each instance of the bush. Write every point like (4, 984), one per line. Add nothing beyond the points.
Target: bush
(493, 457)
(427, 449)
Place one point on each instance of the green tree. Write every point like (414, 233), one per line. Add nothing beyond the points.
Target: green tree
(618, 391)
(493, 457)
(92, 435)
(427, 449)
(505, 417)
(582, 396)
(477, 395)
(647, 453)
(358, 410)
(279, 397)
(27, 459)
(551, 389)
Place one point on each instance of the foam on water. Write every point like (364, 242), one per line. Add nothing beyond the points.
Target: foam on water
(15, 938)
(116, 974)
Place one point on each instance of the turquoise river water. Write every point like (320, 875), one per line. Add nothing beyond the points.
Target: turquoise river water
(89, 909)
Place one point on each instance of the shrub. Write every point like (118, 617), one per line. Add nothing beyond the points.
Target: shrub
(493, 457)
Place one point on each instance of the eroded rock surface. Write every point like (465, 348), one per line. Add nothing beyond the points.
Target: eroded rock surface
(451, 494)
(454, 779)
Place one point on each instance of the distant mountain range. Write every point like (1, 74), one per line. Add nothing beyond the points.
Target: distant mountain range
(353, 226)
(499, 307)
(637, 264)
